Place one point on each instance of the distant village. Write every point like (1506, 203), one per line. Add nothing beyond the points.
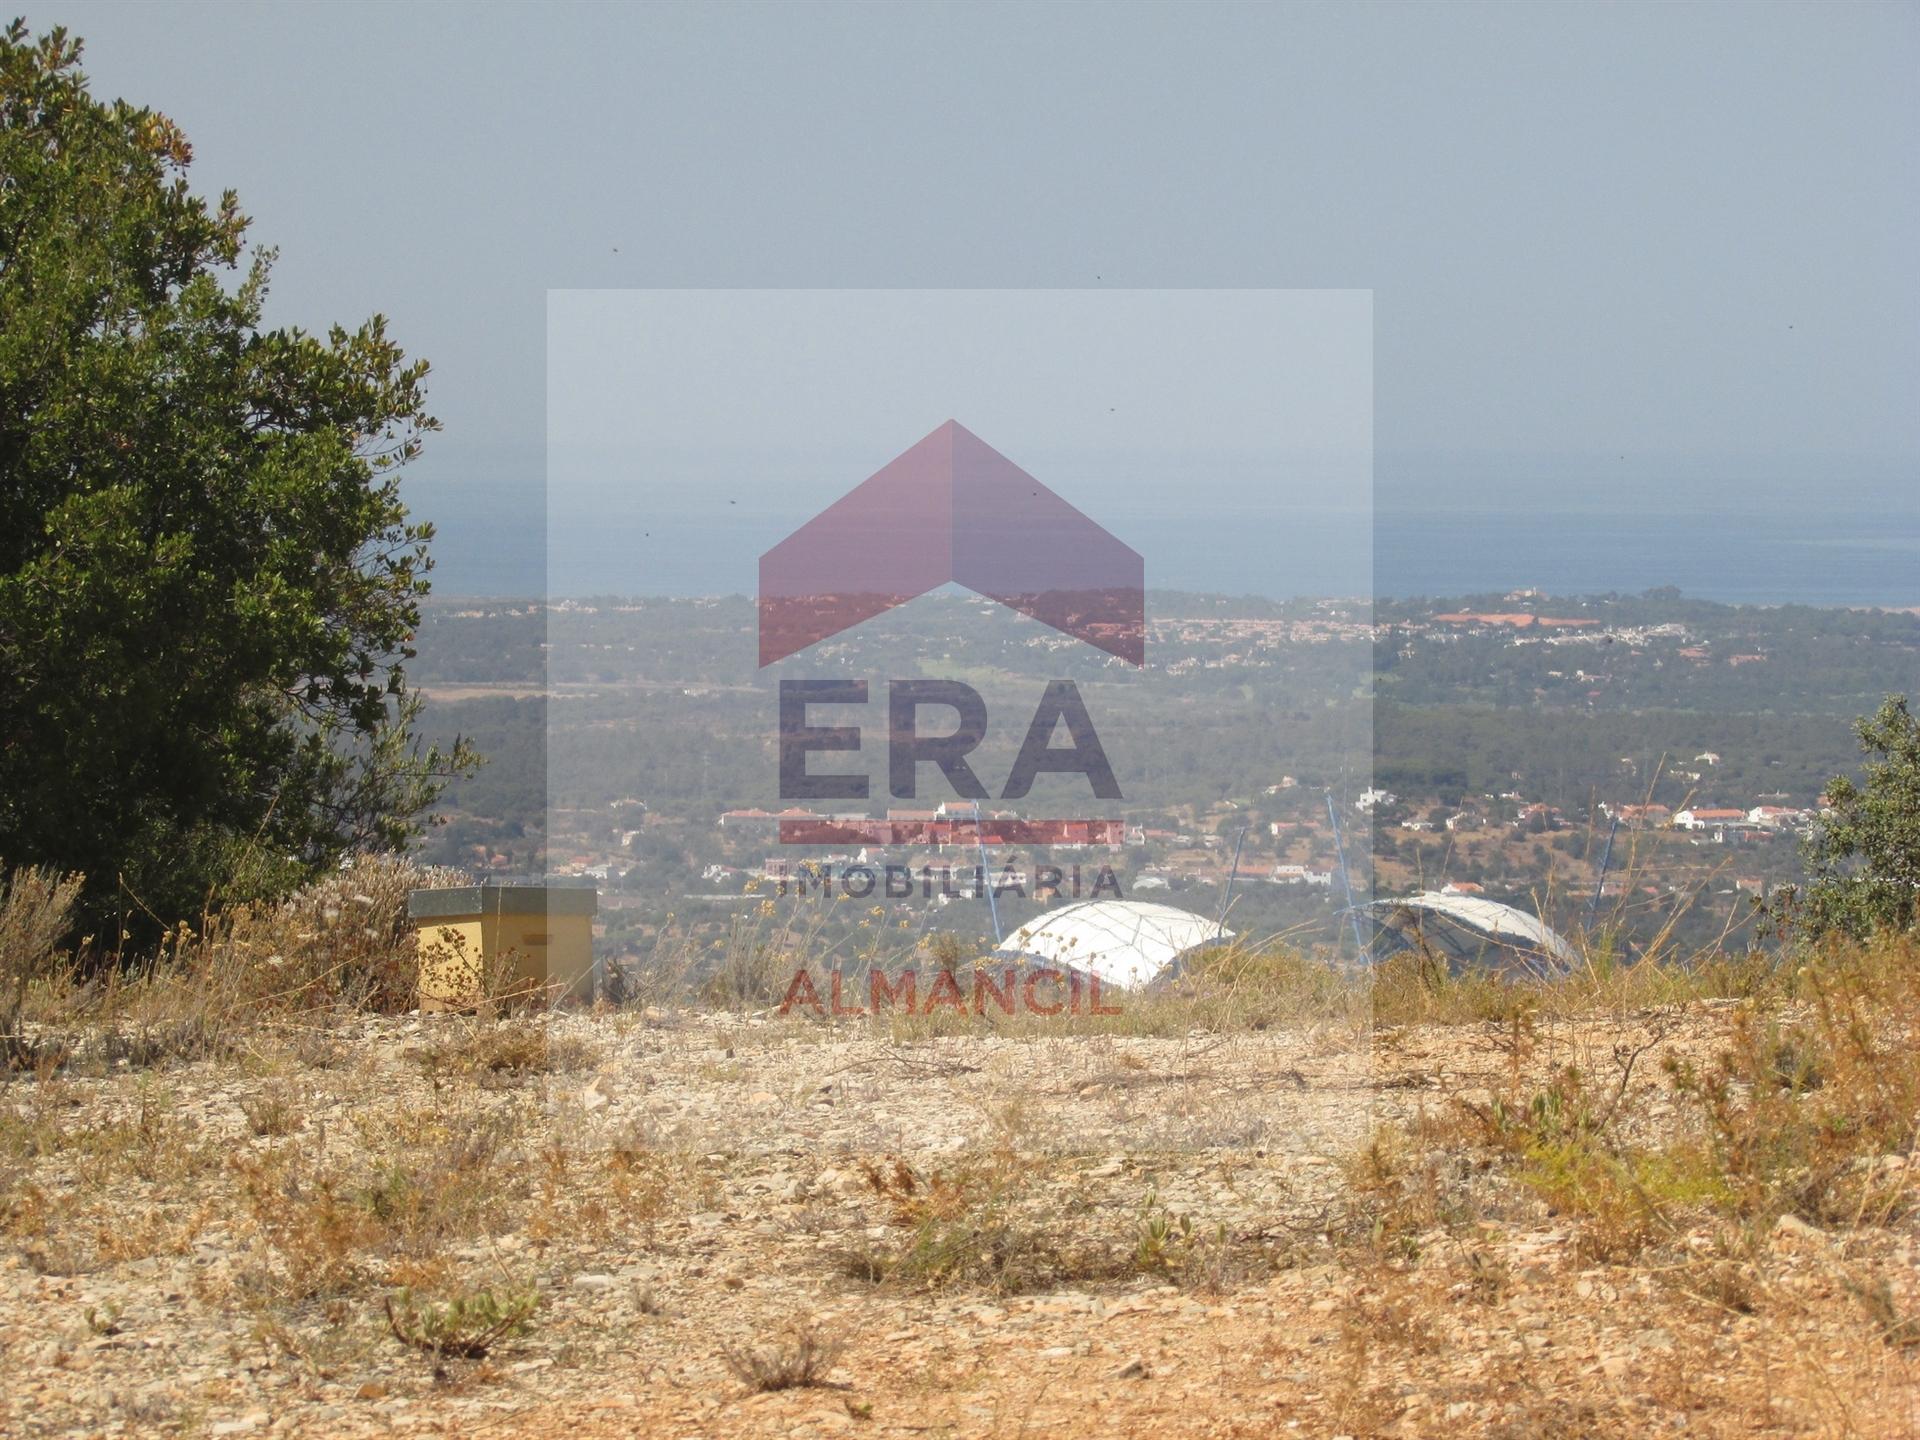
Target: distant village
(1286, 838)
(1655, 828)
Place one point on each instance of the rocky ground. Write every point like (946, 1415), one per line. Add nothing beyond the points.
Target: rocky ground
(725, 1225)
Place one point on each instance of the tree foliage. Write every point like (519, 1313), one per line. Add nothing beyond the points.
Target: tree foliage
(1864, 858)
(208, 581)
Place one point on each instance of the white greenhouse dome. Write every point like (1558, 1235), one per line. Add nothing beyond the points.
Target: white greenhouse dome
(1469, 931)
(1127, 943)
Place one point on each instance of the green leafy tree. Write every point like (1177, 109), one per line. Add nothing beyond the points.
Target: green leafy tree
(208, 581)
(1864, 858)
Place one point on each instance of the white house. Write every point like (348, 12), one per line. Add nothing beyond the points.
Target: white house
(1707, 818)
(1300, 875)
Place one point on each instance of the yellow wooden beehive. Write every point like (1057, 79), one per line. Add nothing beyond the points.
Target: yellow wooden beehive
(480, 943)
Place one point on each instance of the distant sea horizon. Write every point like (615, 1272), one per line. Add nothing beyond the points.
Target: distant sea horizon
(1836, 558)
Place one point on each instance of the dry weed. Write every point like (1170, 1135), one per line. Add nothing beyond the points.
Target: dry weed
(801, 1358)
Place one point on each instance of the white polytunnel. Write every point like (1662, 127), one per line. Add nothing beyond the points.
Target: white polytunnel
(1127, 943)
(1469, 930)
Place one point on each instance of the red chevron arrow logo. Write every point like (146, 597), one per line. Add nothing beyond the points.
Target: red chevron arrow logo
(952, 508)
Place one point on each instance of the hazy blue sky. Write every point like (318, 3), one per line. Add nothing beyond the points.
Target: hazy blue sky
(688, 431)
(1678, 239)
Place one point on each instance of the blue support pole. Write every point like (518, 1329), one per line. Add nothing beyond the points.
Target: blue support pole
(1346, 881)
(1606, 859)
(1220, 925)
(986, 879)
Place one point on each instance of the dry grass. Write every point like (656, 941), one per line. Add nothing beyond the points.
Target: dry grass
(1592, 1107)
(274, 1111)
(1254, 985)
(1807, 1109)
(1004, 1223)
(1813, 1108)
(341, 946)
(978, 1223)
(490, 1050)
(34, 909)
(801, 1358)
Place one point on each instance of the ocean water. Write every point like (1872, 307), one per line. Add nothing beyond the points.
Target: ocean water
(1738, 553)
(1752, 557)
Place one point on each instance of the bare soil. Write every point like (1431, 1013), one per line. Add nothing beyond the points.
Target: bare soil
(989, 1234)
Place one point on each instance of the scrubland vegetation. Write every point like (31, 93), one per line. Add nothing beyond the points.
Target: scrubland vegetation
(378, 1213)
